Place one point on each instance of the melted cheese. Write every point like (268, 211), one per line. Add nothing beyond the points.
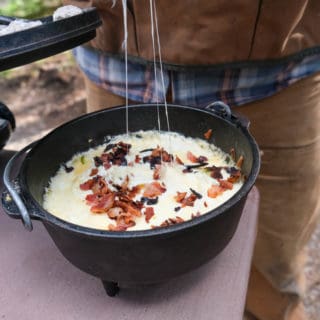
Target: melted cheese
(65, 199)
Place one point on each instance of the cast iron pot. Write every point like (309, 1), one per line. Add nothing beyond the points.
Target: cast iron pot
(132, 257)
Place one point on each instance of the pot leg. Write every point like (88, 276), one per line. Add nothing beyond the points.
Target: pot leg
(111, 288)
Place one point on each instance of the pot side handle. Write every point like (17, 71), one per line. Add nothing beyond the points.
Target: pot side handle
(222, 110)
(12, 201)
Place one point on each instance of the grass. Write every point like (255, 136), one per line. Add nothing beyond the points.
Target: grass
(30, 9)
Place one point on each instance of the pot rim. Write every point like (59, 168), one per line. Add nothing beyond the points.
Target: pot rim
(161, 231)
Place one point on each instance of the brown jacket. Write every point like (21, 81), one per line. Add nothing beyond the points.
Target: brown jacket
(210, 32)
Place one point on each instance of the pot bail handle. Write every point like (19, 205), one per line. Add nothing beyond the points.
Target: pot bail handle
(13, 187)
(223, 110)
(220, 108)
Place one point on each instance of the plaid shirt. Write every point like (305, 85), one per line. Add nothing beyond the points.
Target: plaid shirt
(234, 86)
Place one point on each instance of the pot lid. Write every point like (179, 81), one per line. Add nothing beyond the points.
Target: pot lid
(47, 39)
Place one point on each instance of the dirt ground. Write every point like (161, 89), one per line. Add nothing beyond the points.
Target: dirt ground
(45, 94)
(42, 96)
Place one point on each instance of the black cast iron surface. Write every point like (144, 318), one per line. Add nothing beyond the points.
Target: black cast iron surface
(138, 257)
(48, 39)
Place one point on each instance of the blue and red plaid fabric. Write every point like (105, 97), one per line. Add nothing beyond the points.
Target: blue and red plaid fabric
(234, 86)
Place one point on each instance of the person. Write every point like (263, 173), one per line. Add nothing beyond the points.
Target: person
(263, 59)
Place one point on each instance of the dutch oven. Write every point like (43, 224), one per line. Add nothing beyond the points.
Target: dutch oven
(132, 257)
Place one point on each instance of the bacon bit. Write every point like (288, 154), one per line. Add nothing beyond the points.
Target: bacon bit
(166, 157)
(226, 184)
(202, 159)
(134, 191)
(118, 205)
(215, 172)
(116, 155)
(156, 172)
(106, 165)
(105, 158)
(87, 185)
(106, 200)
(153, 189)
(100, 185)
(131, 224)
(193, 216)
(171, 221)
(112, 227)
(124, 185)
(93, 199)
(205, 204)
(167, 223)
(123, 219)
(180, 196)
(152, 160)
(179, 219)
(96, 209)
(235, 174)
(163, 154)
(129, 207)
(93, 172)
(149, 213)
(103, 203)
(157, 156)
(126, 219)
(97, 161)
(156, 152)
(233, 154)
(208, 134)
(137, 159)
(114, 212)
(103, 200)
(192, 157)
(179, 161)
(240, 162)
(214, 191)
(189, 201)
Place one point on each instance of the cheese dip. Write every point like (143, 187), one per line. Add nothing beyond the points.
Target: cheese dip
(143, 180)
